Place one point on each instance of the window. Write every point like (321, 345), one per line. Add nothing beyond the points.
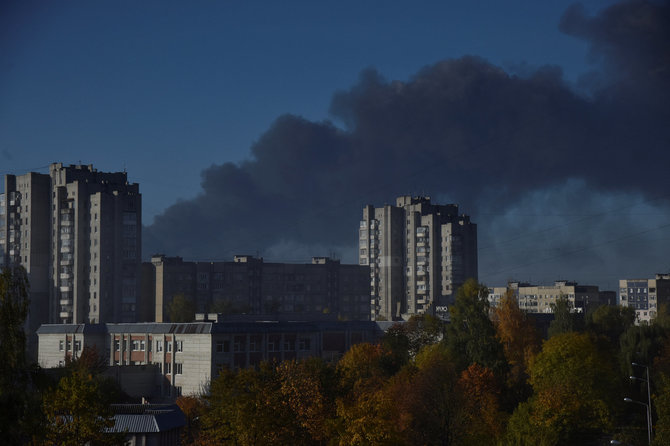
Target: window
(142, 346)
(159, 346)
(168, 368)
(117, 345)
(179, 346)
(239, 344)
(61, 345)
(222, 346)
(178, 368)
(168, 346)
(77, 346)
(136, 345)
(304, 344)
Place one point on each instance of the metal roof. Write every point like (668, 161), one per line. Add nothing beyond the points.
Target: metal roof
(147, 418)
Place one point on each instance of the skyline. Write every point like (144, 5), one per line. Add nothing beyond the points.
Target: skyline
(567, 160)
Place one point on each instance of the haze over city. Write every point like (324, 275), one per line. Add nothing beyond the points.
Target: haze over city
(265, 128)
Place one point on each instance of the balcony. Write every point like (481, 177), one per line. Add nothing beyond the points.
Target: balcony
(65, 302)
(65, 314)
(65, 289)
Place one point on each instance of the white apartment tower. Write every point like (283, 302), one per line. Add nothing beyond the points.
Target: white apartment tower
(419, 254)
(77, 232)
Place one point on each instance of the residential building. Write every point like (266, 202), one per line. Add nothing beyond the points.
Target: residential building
(419, 254)
(250, 285)
(77, 232)
(539, 298)
(645, 295)
(187, 356)
(24, 240)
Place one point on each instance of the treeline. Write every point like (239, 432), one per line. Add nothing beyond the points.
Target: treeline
(487, 378)
(70, 406)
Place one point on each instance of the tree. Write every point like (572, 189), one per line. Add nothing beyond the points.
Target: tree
(19, 416)
(246, 407)
(181, 309)
(576, 391)
(78, 411)
(471, 335)
(307, 387)
(520, 341)
(565, 320)
(430, 405)
(363, 415)
(483, 420)
(193, 408)
(611, 321)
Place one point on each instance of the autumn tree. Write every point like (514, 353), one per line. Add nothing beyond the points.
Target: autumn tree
(193, 408)
(520, 340)
(429, 404)
(471, 334)
(181, 309)
(576, 391)
(362, 416)
(483, 419)
(308, 388)
(246, 407)
(78, 411)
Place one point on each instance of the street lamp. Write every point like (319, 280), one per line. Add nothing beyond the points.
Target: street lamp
(648, 381)
(628, 400)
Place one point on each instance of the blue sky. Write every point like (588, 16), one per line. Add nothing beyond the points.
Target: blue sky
(165, 89)
(191, 99)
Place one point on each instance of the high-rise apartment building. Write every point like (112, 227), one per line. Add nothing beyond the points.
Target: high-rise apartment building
(419, 253)
(77, 232)
(645, 295)
(24, 239)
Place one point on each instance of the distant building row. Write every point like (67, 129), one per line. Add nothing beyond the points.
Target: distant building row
(644, 295)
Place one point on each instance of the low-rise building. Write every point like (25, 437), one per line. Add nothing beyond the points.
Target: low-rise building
(187, 356)
(645, 295)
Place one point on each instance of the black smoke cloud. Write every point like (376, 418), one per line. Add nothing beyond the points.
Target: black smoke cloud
(515, 151)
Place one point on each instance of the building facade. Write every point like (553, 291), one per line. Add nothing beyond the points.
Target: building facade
(77, 232)
(248, 285)
(419, 254)
(539, 298)
(645, 295)
(186, 357)
(24, 240)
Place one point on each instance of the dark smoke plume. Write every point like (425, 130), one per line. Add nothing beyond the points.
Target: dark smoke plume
(463, 131)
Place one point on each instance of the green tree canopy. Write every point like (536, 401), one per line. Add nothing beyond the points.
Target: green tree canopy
(565, 320)
(610, 321)
(471, 335)
(19, 402)
(181, 309)
(576, 391)
(78, 411)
